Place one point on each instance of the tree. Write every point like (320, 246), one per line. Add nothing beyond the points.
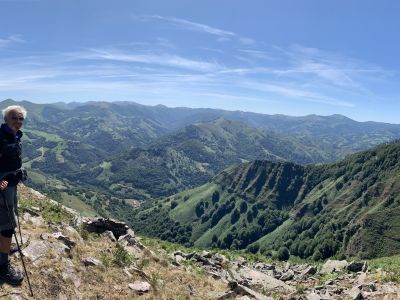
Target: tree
(235, 216)
(253, 248)
(215, 197)
(243, 207)
(283, 253)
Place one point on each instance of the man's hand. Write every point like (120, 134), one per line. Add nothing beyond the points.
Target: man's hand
(3, 184)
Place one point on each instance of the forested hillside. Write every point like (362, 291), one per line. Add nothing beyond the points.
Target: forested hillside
(348, 208)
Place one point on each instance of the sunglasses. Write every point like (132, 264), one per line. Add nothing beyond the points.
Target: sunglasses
(16, 118)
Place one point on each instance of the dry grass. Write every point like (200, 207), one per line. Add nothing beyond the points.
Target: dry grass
(108, 281)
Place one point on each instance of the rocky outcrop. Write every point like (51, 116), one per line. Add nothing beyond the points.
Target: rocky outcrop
(101, 225)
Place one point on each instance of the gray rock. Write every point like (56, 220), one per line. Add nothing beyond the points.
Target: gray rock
(100, 225)
(259, 279)
(243, 298)
(140, 286)
(287, 276)
(358, 266)
(179, 258)
(222, 295)
(356, 294)
(37, 221)
(60, 249)
(109, 235)
(36, 249)
(62, 296)
(309, 271)
(220, 258)
(34, 211)
(66, 240)
(89, 261)
(245, 291)
(128, 274)
(370, 287)
(131, 244)
(313, 296)
(202, 260)
(331, 266)
(362, 278)
(206, 254)
(70, 273)
(191, 255)
(72, 232)
(214, 275)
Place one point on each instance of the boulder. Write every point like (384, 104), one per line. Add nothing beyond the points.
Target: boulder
(313, 296)
(70, 273)
(259, 279)
(140, 286)
(179, 258)
(131, 244)
(89, 261)
(108, 234)
(287, 276)
(66, 240)
(72, 232)
(100, 225)
(36, 249)
(309, 271)
(331, 266)
(356, 294)
(220, 258)
(370, 287)
(222, 295)
(245, 291)
(358, 266)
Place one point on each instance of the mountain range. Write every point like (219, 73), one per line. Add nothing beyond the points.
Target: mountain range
(97, 156)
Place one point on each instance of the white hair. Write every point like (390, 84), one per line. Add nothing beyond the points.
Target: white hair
(11, 108)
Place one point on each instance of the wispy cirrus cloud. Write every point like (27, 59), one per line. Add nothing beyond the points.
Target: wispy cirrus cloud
(291, 77)
(11, 39)
(185, 24)
(296, 92)
(329, 68)
(163, 59)
(221, 34)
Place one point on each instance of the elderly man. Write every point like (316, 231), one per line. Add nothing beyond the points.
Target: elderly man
(10, 175)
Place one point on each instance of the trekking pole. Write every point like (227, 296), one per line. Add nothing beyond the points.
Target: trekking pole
(16, 240)
(19, 227)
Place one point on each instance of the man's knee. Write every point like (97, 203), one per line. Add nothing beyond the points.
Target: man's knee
(7, 233)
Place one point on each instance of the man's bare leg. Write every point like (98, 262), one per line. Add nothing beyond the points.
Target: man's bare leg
(5, 244)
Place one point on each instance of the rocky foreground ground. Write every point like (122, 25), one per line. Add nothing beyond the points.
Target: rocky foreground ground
(70, 257)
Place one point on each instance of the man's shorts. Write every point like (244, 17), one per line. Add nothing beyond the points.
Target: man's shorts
(7, 212)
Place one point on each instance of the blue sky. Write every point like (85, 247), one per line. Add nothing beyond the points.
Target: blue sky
(287, 57)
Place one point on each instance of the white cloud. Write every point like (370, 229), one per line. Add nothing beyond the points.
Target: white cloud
(329, 68)
(236, 98)
(306, 75)
(169, 60)
(221, 34)
(12, 39)
(296, 93)
(247, 41)
(257, 54)
(191, 25)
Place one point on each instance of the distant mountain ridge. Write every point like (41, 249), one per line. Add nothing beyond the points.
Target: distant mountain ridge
(131, 151)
